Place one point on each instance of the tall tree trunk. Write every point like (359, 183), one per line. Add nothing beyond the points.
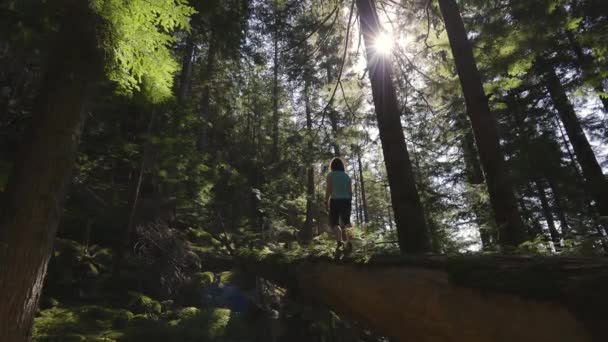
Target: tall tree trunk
(472, 165)
(333, 116)
(559, 209)
(357, 198)
(595, 181)
(310, 175)
(186, 73)
(363, 198)
(275, 88)
(388, 207)
(474, 176)
(544, 203)
(510, 225)
(206, 94)
(125, 242)
(33, 201)
(412, 231)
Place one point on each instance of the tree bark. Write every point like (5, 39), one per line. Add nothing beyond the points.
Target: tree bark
(206, 94)
(424, 298)
(510, 225)
(357, 197)
(412, 231)
(544, 202)
(186, 73)
(33, 201)
(473, 167)
(388, 207)
(595, 180)
(559, 209)
(310, 175)
(474, 176)
(275, 87)
(127, 239)
(363, 198)
(333, 116)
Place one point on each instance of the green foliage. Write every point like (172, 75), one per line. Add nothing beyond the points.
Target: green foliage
(140, 303)
(139, 42)
(99, 323)
(81, 323)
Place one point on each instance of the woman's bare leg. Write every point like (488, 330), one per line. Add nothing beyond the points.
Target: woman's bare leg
(338, 232)
(346, 233)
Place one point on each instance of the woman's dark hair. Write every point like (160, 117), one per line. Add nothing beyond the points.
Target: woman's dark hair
(336, 164)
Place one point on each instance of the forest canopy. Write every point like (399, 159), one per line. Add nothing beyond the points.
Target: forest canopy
(145, 145)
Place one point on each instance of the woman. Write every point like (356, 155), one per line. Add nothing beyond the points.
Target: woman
(338, 196)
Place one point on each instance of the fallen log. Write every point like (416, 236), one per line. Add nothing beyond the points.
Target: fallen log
(465, 298)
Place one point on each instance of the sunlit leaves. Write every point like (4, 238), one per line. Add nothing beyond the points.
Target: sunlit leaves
(139, 41)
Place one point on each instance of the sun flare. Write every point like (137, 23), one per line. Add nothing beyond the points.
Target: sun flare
(384, 43)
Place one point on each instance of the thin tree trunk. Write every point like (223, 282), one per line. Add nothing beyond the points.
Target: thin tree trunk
(363, 198)
(592, 172)
(561, 215)
(357, 198)
(474, 176)
(333, 117)
(388, 208)
(473, 167)
(33, 201)
(544, 202)
(310, 176)
(412, 230)
(510, 225)
(206, 94)
(134, 203)
(275, 88)
(186, 73)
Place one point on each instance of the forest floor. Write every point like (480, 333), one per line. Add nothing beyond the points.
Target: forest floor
(201, 297)
(84, 301)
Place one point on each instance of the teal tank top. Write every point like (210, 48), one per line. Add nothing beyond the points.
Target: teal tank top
(340, 185)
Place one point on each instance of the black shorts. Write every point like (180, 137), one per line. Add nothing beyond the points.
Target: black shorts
(339, 209)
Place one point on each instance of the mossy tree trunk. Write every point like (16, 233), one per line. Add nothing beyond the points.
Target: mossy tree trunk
(465, 298)
(33, 202)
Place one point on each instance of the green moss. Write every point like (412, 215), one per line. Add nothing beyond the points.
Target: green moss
(80, 323)
(141, 303)
(226, 277)
(199, 236)
(209, 324)
(188, 312)
(122, 320)
(218, 320)
(202, 279)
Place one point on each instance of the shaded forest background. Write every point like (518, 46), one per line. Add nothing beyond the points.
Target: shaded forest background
(207, 127)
